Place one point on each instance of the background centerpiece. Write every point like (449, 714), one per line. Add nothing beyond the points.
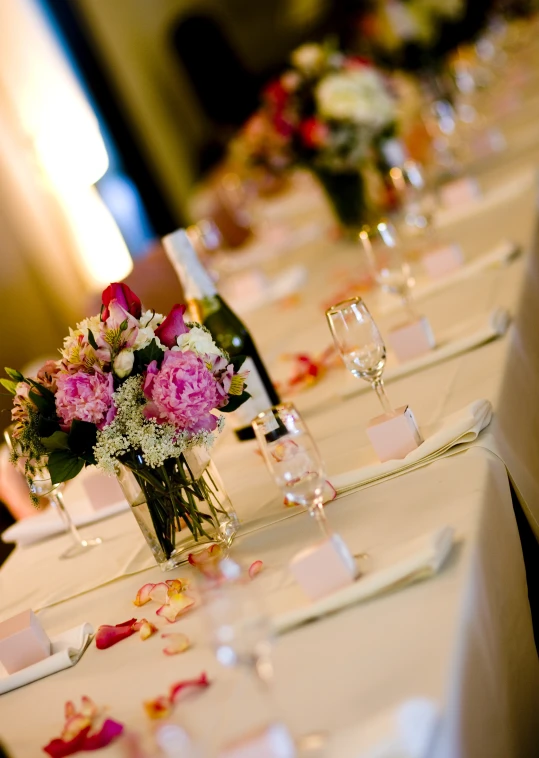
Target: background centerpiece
(136, 394)
(332, 114)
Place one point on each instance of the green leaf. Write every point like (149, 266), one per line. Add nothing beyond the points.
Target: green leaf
(238, 362)
(63, 466)
(144, 357)
(91, 340)
(13, 374)
(82, 438)
(47, 426)
(9, 385)
(235, 401)
(56, 441)
(42, 404)
(43, 391)
(123, 325)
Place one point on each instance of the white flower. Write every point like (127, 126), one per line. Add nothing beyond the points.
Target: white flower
(198, 340)
(151, 318)
(308, 58)
(358, 95)
(145, 335)
(123, 363)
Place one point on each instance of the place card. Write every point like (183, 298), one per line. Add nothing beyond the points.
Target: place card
(101, 490)
(23, 642)
(443, 260)
(488, 142)
(412, 339)
(324, 568)
(459, 192)
(395, 435)
(273, 741)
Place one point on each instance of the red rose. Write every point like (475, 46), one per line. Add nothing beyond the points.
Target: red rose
(314, 133)
(124, 296)
(172, 326)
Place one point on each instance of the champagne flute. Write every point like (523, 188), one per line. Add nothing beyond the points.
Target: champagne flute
(389, 268)
(293, 459)
(40, 485)
(360, 344)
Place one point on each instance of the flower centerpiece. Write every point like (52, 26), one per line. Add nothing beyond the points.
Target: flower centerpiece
(331, 113)
(140, 396)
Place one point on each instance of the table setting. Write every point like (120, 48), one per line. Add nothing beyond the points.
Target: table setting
(281, 517)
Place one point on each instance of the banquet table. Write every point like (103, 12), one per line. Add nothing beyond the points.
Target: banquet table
(462, 639)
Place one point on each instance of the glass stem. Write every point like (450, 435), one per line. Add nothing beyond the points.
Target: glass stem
(409, 305)
(58, 502)
(317, 512)
(378, 387)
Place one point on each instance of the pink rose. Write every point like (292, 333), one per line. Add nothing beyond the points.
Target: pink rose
(172, 326)
(86, 397)
(124, 296)
(182, 392)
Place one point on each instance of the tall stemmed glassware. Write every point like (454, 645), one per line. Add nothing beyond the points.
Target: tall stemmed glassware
(386, 262)
(360, 344)
(41, 486)
(293, 459)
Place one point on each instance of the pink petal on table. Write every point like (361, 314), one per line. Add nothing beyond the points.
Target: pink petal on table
(69, 709)
(255, 568)
(177, 688)
(177, 643)
(74, 726)
(159, 593)
(108, 732)
(178, 604)
(333, 492)
(143, 595)
(176, 585)
(146, 629)
(89, 708)
(59, 748)
(158, 708)
(109, 635)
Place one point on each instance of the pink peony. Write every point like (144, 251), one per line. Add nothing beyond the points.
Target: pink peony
(86, 397)
(182, 392)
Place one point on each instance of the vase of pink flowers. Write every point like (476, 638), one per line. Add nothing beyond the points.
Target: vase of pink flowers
(141, 397)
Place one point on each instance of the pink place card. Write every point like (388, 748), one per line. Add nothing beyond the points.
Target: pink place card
(23, 642)
(273, 741)
(394, 436)
(324, 567)
(101, 490)
(412, 339)
(459, 192)
(443, 260)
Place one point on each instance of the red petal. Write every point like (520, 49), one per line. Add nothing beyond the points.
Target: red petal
(255, 568)
(172, 326)
(179, 687)
(109, 635)
(143, 595)
(59, 748)
(108, 732)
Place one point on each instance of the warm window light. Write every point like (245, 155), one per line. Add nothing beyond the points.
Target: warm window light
(102, 249)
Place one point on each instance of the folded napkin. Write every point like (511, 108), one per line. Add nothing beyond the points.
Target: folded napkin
(419, 559)
(251, 290)
(404, 731)
(501, 255)
(446, 438)
(48, 524)
(449, 346)
(67, 650)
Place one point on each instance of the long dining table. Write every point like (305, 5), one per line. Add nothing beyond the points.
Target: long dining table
(461, 640)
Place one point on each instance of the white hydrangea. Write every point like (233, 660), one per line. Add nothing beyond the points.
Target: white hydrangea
(199, 340)
(358, 95)
(149, 321)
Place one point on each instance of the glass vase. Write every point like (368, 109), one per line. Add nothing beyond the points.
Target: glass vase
(347, 196)
(180, 507)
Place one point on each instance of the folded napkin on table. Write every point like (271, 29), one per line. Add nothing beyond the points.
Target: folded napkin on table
(405, 731)
(447, 437)
(415, 560)
(505, 252)
(67, 650)
(494, 326)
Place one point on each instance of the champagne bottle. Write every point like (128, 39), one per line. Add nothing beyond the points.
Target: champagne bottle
(229, 332)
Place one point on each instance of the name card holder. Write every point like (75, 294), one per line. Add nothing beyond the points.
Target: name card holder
(324, 568)
(412, 339)
(459, 192)
(23, 642)
(394, 436)
(443, 261)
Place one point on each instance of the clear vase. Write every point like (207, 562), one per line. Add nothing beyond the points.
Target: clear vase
(346, 194)
(181, 507)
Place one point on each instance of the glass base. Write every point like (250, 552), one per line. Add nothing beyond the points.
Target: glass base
(81, 547)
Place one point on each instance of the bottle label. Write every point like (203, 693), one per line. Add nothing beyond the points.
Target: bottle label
(258, 402)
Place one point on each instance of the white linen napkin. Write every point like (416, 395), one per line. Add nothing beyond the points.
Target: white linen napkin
(48, 524)
(404, 731)
(493, 327)
(67, 650)
(419, 559)
(447, 437)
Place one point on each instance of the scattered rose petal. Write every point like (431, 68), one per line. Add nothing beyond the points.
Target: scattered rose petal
(177, 585)
(158, 708)
(255, 568)
(81, 732)
(332, 490)
(145, 628)
(207, 560)
(143, 595)
(107, 635)
(159, 592)
(161, 706)
(178, 604)
(179, 687)
(177, 643)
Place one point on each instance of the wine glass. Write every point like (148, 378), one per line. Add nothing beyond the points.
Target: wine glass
(293, 459)
(360, 344)
(40, 485)
(389, 268)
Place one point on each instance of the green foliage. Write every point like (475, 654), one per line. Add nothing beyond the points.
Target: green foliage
(235, 402)
(63, 465)
(82, 438)
(144, 357)
(91, 340)
(56, 441)
(9, 385)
